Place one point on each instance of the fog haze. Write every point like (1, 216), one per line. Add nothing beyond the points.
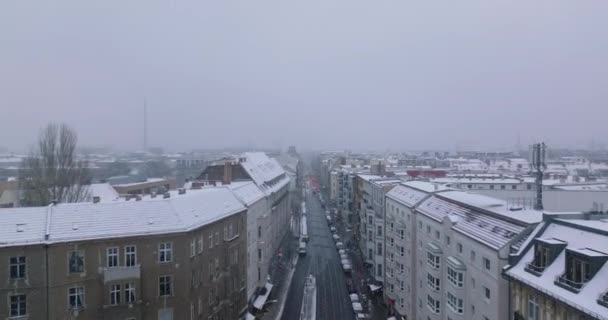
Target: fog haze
(317, 74)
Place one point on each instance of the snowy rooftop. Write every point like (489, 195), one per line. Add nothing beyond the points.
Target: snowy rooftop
(246, 191)
(470, 214)
(149, 180)
(104, 191)
(425, 186)
(406, 195)
(86, 221)
(588, 242)
(266, 172)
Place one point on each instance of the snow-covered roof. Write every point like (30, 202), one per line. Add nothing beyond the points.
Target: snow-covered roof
(246, 191)
(266, 172)
(87, 221)
(589, 242)
(406, 195)
(104, 191)
(426, 186)
(476, 224)
(148, 180)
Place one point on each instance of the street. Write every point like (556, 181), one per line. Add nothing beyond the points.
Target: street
(323, 262)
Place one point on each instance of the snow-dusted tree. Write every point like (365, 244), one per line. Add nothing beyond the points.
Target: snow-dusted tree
(51, 172)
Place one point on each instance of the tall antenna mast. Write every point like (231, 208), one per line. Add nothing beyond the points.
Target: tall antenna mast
(538, 155)
(145, 126)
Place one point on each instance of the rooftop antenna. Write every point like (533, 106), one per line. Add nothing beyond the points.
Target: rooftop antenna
(538, 154)
(145, 126)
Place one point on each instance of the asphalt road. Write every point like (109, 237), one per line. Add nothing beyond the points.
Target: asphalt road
(323, 262)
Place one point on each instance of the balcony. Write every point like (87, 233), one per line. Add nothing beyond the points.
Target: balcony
(121, 273)
(570, 285)
(534, 269)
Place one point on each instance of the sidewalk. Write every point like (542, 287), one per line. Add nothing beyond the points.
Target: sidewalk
(281, 273)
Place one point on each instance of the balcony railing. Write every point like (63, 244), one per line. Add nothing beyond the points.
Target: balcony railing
(121, 273)
(570, 285)
(534, 269)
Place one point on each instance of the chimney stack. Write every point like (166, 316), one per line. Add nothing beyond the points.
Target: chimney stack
(96, 199)
(227, 172)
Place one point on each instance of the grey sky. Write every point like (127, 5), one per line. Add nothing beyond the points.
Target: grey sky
(327, 74)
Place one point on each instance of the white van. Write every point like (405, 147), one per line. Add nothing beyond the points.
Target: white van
(302, 248)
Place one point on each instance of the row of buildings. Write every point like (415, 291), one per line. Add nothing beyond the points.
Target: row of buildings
(200, 252)
(444, 253)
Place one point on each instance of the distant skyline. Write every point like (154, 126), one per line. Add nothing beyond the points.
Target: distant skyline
(316, 74)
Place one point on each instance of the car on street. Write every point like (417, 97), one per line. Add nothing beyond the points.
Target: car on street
(339, 245)
(332, 229)
(302, 248)
(336, 237)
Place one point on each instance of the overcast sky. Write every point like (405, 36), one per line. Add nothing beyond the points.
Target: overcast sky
(317, 73)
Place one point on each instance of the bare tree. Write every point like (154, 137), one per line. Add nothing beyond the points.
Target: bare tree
(52, 172)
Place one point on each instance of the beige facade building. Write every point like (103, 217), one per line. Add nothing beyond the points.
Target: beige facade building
(176, 257)
(561, 271)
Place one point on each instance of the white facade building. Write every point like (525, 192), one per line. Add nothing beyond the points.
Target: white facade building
(451, 246)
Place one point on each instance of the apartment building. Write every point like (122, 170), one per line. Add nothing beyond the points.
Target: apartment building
(371, 217)
(269, 214)
(448, 250)
(561, 273)
(178, 256)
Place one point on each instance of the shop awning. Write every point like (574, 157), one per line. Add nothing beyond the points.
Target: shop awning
(261, 299)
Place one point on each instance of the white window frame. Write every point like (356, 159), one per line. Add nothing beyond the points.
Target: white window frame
(165, 282)
(130, 293)
(533, 308)
(433, 305)
(487, 264)
(433, 282)
(18, 313)
(455, 304)
(77, 293)
(80, 253)
(165, 252)
(19, 266)
(455, 277)
(192, 247)
(115, 290)
(211, 241)
(112, 253)
(433, 260)
(130, 255)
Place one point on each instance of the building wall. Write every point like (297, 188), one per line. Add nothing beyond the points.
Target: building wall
(523, 297)
(194, 277)
(257, 217)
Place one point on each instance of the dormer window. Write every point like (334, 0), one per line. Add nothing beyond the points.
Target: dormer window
(545, 252)
(581, 266)
(603, 300)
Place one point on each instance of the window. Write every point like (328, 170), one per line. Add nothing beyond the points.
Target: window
(379, 231)
(533, 308)
(401, 233)
(459, 247)
(492, 186)
(112, 257)
(456, 278)
(455, 304)
(200, 244)
(17, 266)
(469, 186)
(130, 293)
(259, 232)
(18, 305)
(472, 255)
(259, 254)
(226, 232)
(487, 293)
(230, 231)
(370, 220)
(217, 238)
(513, 187)
(428, 229)
(165, 252)
(577, 271)
(164, 286)
(259, 274)
(487, 264)
(434, 283)
(502, 187)
(76, 297)
(200, 306)
(192, 248)
(447, 240)
(379, 270)
(210, 241)
(76, 262)
(437, 235)
(420, 225)
(370, 235)
(114, 294)
(433, 260)
(433, 304)
(370, 254)
(529, 186)
(379, 248)
(130, 256)
(401, 250)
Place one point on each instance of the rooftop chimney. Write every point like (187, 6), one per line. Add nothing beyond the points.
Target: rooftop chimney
(96, 199)
(227, 172)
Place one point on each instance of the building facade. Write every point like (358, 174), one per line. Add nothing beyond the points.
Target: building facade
(176, 257)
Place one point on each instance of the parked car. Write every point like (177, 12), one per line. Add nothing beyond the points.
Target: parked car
(302, 248)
